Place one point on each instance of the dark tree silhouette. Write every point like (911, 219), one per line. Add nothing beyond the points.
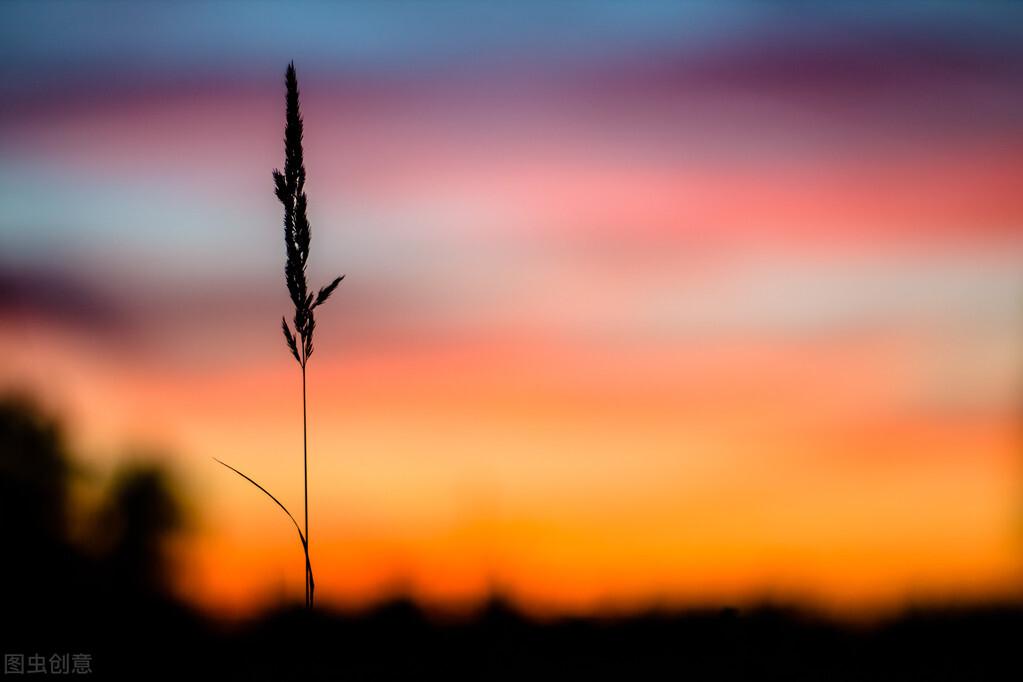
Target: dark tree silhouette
(34, 471)
(76, 566)
(132, 529)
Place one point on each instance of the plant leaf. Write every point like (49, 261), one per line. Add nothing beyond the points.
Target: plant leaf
(326, 291)
(268, 494)
(290, 339)
(280, 185)
(305, 545)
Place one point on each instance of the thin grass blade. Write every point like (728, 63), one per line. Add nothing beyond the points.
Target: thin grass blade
(305, 545)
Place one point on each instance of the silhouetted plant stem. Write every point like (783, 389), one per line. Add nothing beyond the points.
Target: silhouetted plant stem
(305, 492)
(289, 188)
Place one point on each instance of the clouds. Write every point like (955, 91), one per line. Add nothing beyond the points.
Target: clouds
(35, 295)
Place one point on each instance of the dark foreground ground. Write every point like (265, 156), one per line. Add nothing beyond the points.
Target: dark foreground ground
(399, 641)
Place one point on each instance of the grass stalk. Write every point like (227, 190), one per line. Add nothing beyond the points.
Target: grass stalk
(305, 493)
(289, 188)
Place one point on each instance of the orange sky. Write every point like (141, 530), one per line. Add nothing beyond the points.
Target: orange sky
(575, 480)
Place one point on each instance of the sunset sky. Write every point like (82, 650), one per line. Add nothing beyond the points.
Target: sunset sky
(644, 303)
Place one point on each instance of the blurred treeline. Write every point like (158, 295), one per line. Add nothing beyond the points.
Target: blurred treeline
(86, 560)
(92, 573)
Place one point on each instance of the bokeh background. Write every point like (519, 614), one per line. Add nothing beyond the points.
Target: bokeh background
(681, 303)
